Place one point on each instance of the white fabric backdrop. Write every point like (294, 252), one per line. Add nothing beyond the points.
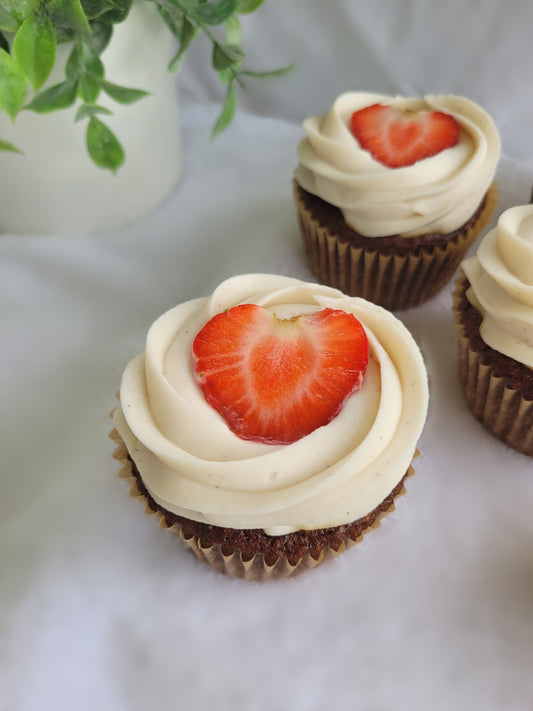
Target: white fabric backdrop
(99, 608)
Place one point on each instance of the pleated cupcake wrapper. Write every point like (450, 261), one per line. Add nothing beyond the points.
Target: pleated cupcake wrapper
(233, 564)
(502, 410)
(395, 281)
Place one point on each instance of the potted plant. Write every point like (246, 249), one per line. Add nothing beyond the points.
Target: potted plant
(89, 64)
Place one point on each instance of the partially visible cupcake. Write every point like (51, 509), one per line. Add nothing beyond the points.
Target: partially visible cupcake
(493, 306)
(392, 191)
(271, 424)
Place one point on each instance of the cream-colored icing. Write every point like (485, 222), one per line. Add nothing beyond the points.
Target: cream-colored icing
(193, 465)
(501, 279)
(437, 194)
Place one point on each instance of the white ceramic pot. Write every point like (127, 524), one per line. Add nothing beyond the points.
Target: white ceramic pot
(54, 188)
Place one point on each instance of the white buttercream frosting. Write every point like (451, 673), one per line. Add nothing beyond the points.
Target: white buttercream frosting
(436, 194)
(194, 466)
(501, 284)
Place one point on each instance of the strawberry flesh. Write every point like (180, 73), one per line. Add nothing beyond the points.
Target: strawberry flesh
(400, 138)
(277, 380)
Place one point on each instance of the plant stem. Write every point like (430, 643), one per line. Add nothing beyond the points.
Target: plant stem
(191, 14)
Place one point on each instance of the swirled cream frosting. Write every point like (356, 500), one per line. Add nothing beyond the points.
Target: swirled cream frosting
(436, 194)
(194, 466)
(501, 284)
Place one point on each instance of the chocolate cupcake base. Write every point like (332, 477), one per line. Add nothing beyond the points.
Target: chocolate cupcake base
(394, 272)
(498, 389)
(252, 554)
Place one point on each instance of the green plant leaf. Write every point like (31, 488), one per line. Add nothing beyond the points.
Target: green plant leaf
(247, 6)
(117, 12)
(226, 75)
(83, 59)
(233, 30)
(102, 33)
(103, 146)
(6, 146)
(122, 94)
(227, 113)
(172, 16)
(59, 96)
(64, 35)
(88, 88)
(266, 75)
(226, 55)
(94, 9)
(34, 48)
(215, 12)
(12, 85)
(187, 34)
(7, 22)
(17, 11)
(88, 110)
(84, 65)
(69, 14)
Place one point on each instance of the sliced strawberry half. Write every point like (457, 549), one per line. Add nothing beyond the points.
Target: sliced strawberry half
(399, 138)
(277, 380)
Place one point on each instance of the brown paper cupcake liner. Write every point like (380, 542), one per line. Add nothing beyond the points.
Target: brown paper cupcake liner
(500, 406)
(408, 273)
(233, 563)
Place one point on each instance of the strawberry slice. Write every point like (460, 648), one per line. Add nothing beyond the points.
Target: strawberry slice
(400, 138)
(276, 380)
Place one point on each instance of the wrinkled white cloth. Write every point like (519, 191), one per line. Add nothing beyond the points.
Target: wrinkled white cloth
(101, 609)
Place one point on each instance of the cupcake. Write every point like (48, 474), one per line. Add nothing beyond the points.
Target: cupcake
(271, 424)
(391, 192)
(493, 308)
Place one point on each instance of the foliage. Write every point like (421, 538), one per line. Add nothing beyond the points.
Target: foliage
(30, 31)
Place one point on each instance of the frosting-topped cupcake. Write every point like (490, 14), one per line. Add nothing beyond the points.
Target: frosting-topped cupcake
(407, 178)
(494, 312)
(223, 481)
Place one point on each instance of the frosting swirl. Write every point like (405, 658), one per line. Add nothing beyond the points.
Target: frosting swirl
(194, 466)
(437, 194)
(501, 284)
